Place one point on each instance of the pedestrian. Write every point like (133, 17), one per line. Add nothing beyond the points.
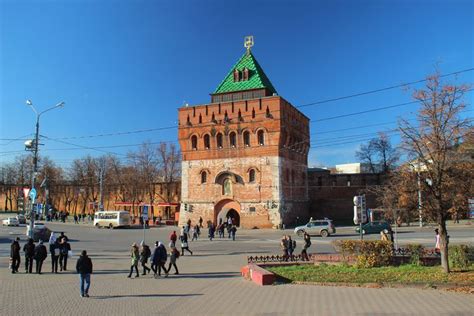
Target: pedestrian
(145, 253)
(184, 244)
(306, 245)
(437, 241)
(54, 250)
(284, 247)
(134, 254)
(40, 255)
(173, 237)
(15, 255)
(155, 259)
(229, 228)
(200, 221)
(188, 227)
(161, 258)
(84, 269)
(220, 230)
(174, 254)
(29, 249)
(64, 248)
(75, 219)
(211, 231)
(233, 230)
(291, 247)
(62, 236)
(195, 232)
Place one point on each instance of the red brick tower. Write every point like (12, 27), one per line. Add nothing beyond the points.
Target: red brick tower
(244, 155)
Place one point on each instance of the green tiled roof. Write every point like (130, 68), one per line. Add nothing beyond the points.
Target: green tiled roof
(257, 78)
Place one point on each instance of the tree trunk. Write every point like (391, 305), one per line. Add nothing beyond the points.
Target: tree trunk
(443, 245)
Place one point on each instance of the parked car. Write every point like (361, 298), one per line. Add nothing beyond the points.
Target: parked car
(374, 227)
(11, 221)
(21, 218)
(322, 227)
(40, 232)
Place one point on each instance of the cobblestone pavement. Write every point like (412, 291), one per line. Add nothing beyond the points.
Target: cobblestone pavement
(209, 283)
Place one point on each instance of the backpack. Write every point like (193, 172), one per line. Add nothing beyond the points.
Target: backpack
(147, 252)
(293, 244)
(176, 253)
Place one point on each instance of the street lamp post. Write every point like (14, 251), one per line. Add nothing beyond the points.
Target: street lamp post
(35, 156)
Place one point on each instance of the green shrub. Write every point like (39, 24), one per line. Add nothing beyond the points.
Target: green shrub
(459, 256)
(367, 253)
(416, 252)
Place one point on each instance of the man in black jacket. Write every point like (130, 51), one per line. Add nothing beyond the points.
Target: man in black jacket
(29, 249)
(40, 255)
(64, 247)
(84, 269)
(15, 254)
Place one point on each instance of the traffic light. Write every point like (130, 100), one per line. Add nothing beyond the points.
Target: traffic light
(185, 207)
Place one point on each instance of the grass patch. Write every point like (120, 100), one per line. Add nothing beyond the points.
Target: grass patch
(348, 274)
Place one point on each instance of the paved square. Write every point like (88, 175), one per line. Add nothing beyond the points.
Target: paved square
(209, 283)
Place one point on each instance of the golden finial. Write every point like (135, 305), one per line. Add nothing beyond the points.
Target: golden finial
(248, 42)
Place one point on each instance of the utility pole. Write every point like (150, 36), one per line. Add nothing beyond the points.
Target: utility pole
(420, 219)
(101, 187)
(35, 144)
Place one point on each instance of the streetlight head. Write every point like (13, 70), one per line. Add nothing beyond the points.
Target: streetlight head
(61, 104)
(28, 102)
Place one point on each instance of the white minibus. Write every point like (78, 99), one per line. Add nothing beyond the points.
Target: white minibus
(111, 219)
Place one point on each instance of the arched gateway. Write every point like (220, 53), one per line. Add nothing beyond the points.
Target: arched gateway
(226, 208)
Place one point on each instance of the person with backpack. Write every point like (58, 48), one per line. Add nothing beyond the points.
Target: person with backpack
(145, 253)
(84, 269)
(284, 247)
(307, 244)
(40, 255)
(174, 255)
(184, 244)
(29, 250)
(15, 255)
(163, 257)
(64, 248)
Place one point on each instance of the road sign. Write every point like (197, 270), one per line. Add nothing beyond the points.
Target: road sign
(32, 194)
(25, 192)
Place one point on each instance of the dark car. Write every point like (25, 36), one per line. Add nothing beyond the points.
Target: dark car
(374, 227)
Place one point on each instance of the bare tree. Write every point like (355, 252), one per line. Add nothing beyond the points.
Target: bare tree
(379, 152)
(431, 143)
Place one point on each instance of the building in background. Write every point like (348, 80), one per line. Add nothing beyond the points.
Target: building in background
(244, 155)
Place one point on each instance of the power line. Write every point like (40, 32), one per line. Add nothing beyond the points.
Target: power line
(300, 106)
(381, 89)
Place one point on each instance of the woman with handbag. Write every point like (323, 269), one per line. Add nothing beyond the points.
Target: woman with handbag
(184, 244)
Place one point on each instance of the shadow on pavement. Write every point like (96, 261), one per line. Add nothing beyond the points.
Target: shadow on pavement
(143, 295)
(207, 275)
(123, 271)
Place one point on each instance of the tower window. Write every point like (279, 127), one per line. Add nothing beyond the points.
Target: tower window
(267, 113)
(246, 136)
(203, 177)
(200, 119)
(245, 73)
(207, 141)
(261, 137)
(253, 113)
(194, 142)
(252, 175)
(236, 75)
(226, 117)
(213, 118)
(219, 140)
(232, 140)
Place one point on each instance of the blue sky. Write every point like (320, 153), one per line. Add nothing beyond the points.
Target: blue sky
(128, 65)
